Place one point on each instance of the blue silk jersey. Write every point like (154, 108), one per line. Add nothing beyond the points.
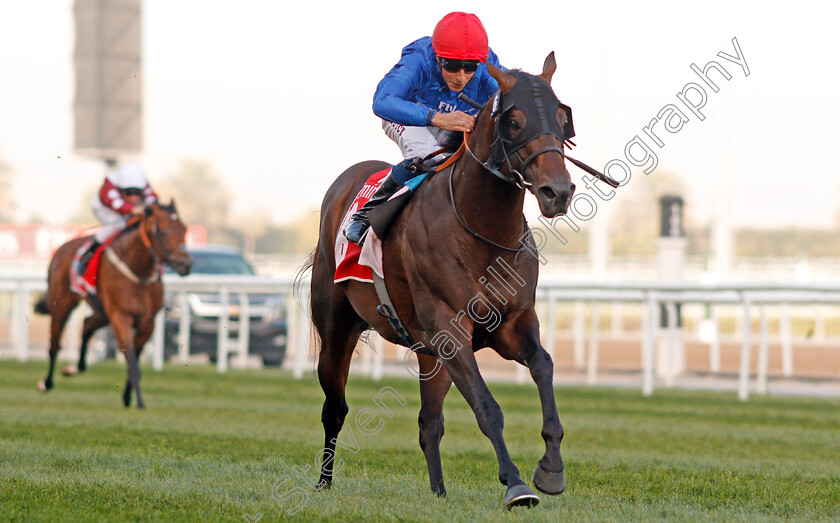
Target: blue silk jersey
(414, 89)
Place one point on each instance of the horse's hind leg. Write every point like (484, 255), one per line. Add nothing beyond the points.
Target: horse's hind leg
(339, 328)
(59, 313)
(433, 390)
(92, 323)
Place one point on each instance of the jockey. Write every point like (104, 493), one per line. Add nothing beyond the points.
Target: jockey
(418, 101)
(125, 192)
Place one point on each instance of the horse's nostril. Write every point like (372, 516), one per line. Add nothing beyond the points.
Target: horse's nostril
(547, 193)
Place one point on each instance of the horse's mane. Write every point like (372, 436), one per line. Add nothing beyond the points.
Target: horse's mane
(169, 207)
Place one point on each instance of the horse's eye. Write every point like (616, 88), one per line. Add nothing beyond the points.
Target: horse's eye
(514, 125)
(561, 117)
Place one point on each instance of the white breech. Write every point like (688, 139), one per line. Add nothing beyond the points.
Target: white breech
(417, 142)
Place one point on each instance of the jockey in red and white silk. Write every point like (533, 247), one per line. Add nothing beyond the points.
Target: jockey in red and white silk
(126, 191)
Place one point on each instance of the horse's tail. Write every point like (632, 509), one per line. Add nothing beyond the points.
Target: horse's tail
(303, 274)
(41, 307)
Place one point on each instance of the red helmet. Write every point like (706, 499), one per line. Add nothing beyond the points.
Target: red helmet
(460, 36)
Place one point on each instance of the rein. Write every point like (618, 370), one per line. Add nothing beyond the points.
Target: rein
(466, 147)
(143, 236)
(519, 179)
(515, 177)
(123, 267)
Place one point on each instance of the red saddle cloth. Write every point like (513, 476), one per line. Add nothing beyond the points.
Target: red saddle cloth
(85, 284)
(347, 266)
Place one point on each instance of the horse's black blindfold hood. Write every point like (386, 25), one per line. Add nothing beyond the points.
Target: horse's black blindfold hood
(535, 98)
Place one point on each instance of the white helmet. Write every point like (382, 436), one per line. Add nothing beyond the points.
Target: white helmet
(130, 176)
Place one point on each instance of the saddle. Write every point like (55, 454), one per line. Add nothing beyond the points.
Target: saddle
(364, 263)
(85, 284)
(356, 263)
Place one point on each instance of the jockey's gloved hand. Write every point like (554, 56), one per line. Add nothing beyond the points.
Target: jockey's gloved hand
(138, 210)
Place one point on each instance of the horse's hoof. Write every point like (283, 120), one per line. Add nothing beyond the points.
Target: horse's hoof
(520, 496)
(69, 370)
(551, 483)
(42, 386)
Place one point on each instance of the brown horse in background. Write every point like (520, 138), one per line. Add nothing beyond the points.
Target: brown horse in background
(460, 228)
(129, 289)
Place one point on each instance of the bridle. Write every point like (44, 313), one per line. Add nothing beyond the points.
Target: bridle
(159, 255)
(533, 96)
(536, 98)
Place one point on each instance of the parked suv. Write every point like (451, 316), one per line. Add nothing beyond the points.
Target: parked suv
(267, 311)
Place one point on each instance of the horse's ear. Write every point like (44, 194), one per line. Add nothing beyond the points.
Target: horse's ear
(549, 66)
(172, 203)
(505, 80)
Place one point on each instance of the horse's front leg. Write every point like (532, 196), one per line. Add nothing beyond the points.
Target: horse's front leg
(464, 372)
(142, 334)
(550, 475)
(132, 358)
(519, 340)
(122, 326)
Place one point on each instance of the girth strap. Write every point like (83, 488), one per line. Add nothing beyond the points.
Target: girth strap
(389, 312)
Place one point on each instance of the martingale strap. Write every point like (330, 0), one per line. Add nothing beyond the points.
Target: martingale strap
(126, 270)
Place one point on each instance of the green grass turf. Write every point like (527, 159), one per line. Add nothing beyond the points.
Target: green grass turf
(210, 447)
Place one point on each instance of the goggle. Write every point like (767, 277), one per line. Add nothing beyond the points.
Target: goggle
(132, 192)
(453, 66)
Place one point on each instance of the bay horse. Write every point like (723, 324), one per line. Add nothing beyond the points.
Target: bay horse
(459, 226)
(129, 289)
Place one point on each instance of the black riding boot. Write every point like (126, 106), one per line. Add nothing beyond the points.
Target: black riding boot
(86, 256)
(357, 227)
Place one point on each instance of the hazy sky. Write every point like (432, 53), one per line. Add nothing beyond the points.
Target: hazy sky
(276, 95)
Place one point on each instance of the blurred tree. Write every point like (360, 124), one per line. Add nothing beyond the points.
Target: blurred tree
(635, 224)
(7, 198)
(277, 240)
(838, 217)
(252, 226)
(787, 242)
(84, 214)
(201, 197)
(297, 237)
(309, 226)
